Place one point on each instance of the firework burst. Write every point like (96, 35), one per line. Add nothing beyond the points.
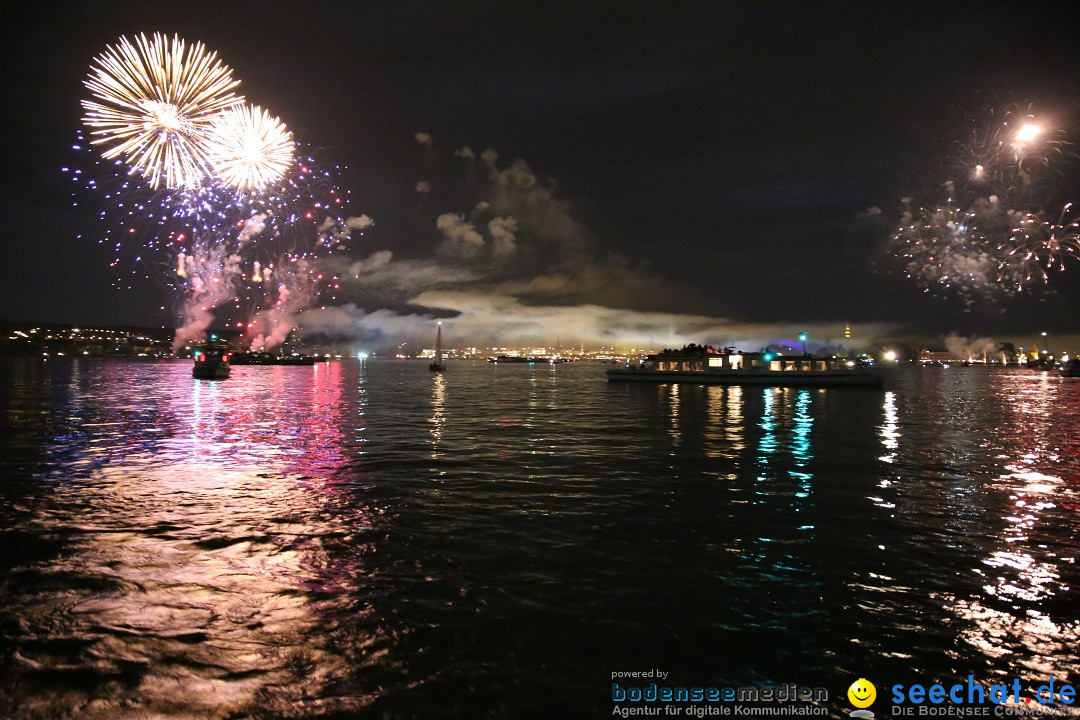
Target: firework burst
(984, 237)
(946, 249)
(1012, 154)
(1037, 247)
(155, 101)
(249, 149)
(206, 188)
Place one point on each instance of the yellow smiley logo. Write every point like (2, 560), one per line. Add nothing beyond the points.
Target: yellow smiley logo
(862, 693)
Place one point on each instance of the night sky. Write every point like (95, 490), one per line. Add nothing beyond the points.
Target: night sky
(675, 169)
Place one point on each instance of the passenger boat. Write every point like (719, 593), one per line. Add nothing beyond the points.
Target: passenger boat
(437, 366)
(211, 360)
(707, 365)
(1070, 368)
(265, 358)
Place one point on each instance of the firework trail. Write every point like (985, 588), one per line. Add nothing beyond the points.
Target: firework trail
(211, 271)
(271, 325)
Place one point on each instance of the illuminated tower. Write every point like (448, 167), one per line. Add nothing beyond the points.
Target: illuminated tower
(847, 332)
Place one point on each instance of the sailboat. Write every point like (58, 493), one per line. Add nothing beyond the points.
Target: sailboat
(437, 366)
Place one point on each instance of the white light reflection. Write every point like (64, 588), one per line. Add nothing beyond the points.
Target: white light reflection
(890, 428)
(438, 416)
(674, 430)
(1023, 612)
(724, 429)
(1010, 620)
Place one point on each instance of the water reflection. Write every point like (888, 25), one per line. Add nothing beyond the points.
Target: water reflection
(438, 419)
(734, 418)
(767, 442)
(1020, 612)
(191, 557)
(674, 428)
(274, 544)
(724, 430)
(890, 428)
(358, 418)
(800, 442)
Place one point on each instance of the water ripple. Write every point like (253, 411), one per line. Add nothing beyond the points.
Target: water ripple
(347, 539)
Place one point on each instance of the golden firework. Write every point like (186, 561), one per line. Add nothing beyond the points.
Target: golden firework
(155, 100)
(248, 148)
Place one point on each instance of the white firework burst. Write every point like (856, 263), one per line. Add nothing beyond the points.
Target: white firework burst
(155, 99)
(248, 148)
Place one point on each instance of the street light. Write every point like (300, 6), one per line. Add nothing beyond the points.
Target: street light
(802, 339)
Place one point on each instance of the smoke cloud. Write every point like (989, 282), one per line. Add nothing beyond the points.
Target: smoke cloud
(212, 273)
(270, 327)
(513, 263)
(461, 238)
(252, 228)
(361, 222)
(503, 233)
(971, 348)
(471, 319)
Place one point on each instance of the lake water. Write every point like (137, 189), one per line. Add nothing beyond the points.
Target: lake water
(375, 540)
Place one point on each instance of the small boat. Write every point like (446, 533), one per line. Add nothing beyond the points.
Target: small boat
(211, 360)
(1070, 368)
(437, 366)
(707, 365)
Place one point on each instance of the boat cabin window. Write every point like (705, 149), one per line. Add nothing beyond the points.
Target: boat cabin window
(735, 362)
(716, 361)
(755, 362)
(776, 365)
(819, 365)
(789, 364)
